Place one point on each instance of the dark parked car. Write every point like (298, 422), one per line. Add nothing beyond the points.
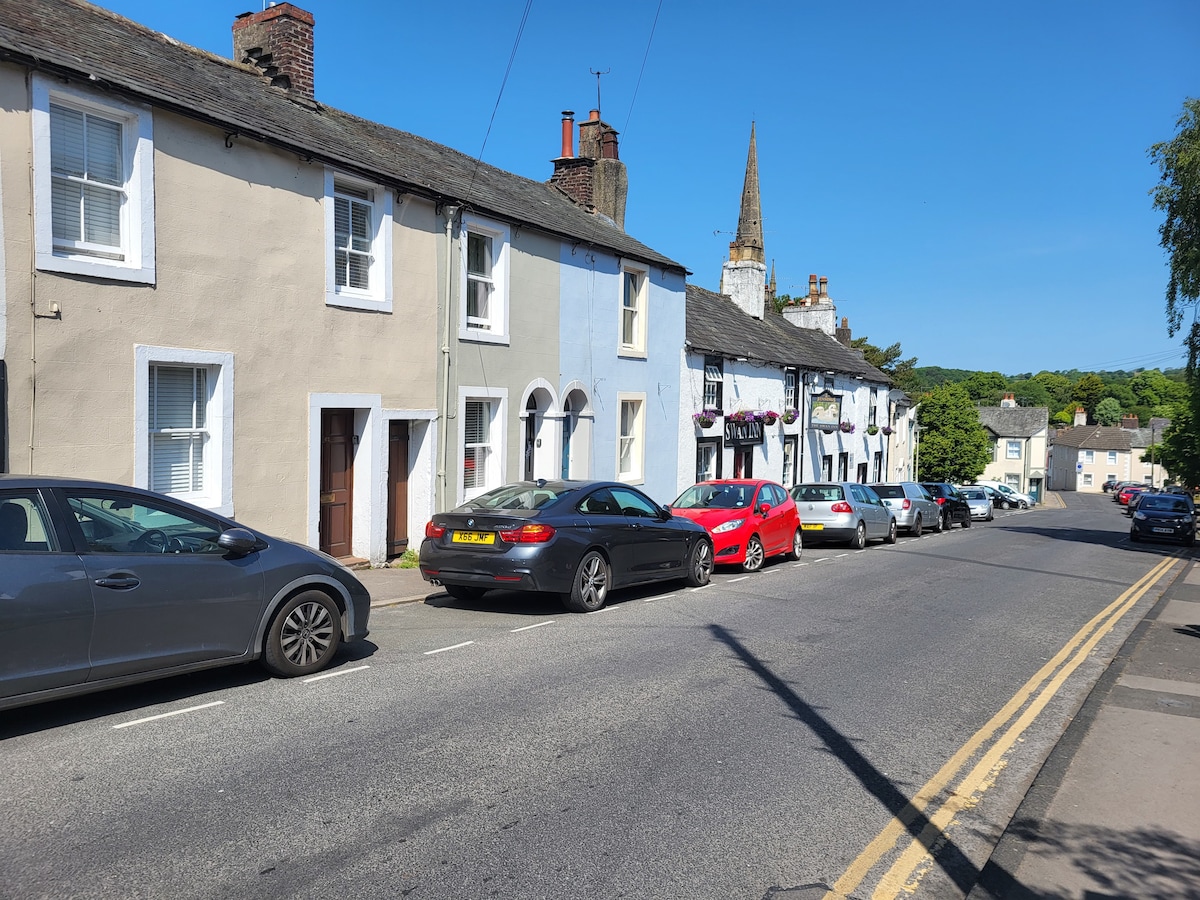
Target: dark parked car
(748, 520)
(954, 506)
(577, 539)
(103, 585)
(1109, 485)
(1164, 517)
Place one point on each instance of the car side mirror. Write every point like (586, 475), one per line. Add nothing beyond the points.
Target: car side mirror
(237, 541)
(764, 508)
(664, 513)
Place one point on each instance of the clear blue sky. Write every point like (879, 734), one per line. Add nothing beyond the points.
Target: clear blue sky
(972, 178)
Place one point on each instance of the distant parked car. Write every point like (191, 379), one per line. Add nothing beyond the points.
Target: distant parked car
(1164, 517)
(843, 511)
(1120, 486)
(1109, 485)
(577, 539)
(1127, 492)
(979, 502)
(748, 520)
(914, 508)
(1009, 497)
(954, 506)
(103, 585)
(1135, 500)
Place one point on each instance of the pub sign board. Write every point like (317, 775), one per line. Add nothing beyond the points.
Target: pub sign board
(743, 434)
(825, 410)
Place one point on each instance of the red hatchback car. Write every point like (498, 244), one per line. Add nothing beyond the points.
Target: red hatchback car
(749, 520)
(1126, 493)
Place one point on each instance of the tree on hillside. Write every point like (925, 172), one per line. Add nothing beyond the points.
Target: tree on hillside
(986, 388)
(1088, 391)
(1028, 392)
(889, 362)
(1108, 411)
(953, 445)
(1058, 386)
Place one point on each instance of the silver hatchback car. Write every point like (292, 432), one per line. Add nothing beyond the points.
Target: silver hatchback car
(843, 511)
(914, 508)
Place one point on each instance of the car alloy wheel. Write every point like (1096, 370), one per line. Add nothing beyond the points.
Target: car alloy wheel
(797, 544)
(860, 537)
(754, 555)
(304, 635)
(700, 564)
(916, 527)
(589, 590)
(891, 535)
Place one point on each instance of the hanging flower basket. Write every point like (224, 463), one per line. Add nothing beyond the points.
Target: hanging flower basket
(847, 427)
(887, 429)
(742, 415)
(872, 429)
(769, 416)
(790, 416)
(706, 418)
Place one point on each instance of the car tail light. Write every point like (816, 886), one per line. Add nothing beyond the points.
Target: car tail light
(527, 534)
(907, 504)
(841, 506)
(434, 531)
(940, 500)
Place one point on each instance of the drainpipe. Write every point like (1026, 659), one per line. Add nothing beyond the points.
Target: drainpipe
(442, 488)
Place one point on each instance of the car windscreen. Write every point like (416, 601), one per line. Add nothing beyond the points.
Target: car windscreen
(889, 491)
(715, 496)
(1166, 504)
(973, 493)
(517, 496)
(818, 493)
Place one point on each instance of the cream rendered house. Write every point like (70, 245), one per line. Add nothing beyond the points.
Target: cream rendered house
(1018, 437)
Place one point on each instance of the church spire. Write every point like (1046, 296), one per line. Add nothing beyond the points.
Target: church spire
(748, 246)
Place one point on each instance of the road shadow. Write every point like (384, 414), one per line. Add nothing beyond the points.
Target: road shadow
(1146, 863)
(177, 688)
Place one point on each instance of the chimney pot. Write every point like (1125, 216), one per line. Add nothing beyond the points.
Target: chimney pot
(568, 133)
(594, 115)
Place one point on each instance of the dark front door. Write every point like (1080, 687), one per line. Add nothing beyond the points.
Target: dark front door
(337, 480)
(397, 537)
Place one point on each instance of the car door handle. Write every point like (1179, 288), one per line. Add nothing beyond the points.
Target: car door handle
(119, 583)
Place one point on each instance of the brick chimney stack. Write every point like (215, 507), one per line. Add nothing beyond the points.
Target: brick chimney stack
(843, 332)
(1080, 416)
(596, 179)
(279, 41)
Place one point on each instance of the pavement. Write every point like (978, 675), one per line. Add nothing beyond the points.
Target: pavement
(1114, 811)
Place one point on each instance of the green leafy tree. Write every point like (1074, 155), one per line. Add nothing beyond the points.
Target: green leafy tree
(1108, 411)
(953, 445)
(986, 388)
(1088, 391)
(1179, 451)
(888, 361)
(1030, 392)
(1057, 385)
(1178, 196)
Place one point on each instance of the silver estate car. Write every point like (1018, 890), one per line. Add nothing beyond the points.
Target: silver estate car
(843, 511)
(914, 508)
(104, 585)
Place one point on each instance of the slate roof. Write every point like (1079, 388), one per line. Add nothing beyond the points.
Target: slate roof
(1144, 437)
(111, 53)
(1094, 437)
(1014, 421)
(717, 325)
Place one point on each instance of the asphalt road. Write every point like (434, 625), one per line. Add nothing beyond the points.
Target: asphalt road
(774, 735)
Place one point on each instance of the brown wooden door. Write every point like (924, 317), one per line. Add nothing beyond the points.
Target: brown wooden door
(397, 537)
(337, 480)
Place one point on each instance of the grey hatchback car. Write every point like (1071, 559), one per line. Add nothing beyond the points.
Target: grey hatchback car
(106, 585)
(843, 511)
(914, 508)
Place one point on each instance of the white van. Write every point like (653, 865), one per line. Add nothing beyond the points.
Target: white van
(1012, 499)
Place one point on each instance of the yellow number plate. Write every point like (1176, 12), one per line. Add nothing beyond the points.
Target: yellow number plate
(474, 537)
(812, 526)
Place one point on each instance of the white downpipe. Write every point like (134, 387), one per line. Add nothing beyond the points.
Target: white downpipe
(441, 501)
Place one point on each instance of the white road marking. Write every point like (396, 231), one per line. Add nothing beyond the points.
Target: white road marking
(452, 647)
(600, 610)
(840, 555)
(334, 674)
(732, 580)
(660, 597)
(535, 625)
(799, 565)
(702, 587)
(178, 712)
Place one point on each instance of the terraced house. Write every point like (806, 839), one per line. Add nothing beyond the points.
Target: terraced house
(232, 293)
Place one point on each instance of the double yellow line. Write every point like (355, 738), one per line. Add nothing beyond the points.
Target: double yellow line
(1019, 713)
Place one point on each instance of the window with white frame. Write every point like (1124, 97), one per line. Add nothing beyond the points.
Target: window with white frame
(1089, 456)
(478, 452)
(358, 243)
(631, 444)
(184, 413)
(791, 389)
(1087, 479)
(708, 460)
(791, 451)
(633, 311)
(1112, 458)
(1012, 450)
(714, 382)
(483, 311)
(93, 191)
